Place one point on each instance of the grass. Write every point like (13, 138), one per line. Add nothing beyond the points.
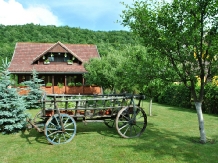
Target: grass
(172, 135)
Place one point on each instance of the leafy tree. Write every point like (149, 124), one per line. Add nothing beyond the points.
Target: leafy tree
(141, 72)
(129, 69)
(152, 89)
(184, 32)
(12, 105)
(103, 71)
(34, 92)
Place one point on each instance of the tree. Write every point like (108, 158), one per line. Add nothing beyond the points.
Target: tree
(140, 71)
(35, 93)
(153, 89)
(12, 105)
(102, 71)
(129, 69)
(184, 32)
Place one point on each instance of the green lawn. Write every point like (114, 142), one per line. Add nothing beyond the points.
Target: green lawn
(171, 136)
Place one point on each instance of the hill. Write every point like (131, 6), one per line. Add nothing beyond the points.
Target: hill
(11, 34)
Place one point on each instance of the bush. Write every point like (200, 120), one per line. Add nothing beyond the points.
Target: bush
(210, 103)
(79, 84)
(48, 84)
(71, 84)
(176, 95)
(179, 95)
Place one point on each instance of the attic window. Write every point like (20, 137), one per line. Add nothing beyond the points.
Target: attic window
(51, 59)
(59, 57)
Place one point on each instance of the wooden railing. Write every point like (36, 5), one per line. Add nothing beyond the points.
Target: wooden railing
(73, 90)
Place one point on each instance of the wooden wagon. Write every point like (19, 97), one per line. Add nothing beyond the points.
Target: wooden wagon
(59, 114)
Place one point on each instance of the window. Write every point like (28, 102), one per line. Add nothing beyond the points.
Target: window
(51, 59)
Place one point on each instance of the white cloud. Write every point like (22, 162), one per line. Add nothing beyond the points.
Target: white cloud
(13, 13)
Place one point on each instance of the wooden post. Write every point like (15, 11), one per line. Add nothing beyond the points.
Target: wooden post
(52, 84)
(83, 84)
(65, 84)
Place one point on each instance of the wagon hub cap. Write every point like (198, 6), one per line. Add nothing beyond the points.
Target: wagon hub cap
(132, 122)
(58, 128)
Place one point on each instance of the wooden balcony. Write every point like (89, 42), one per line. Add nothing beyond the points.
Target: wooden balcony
(83, 90)
(73, 90)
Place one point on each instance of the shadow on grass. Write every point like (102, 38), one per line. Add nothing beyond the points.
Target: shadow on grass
(100, 128)
(175, 108)
(162, 144)
(35, 135)
(159, 143)
(182, 109)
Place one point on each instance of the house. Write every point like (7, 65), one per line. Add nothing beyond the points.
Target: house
(61, 65)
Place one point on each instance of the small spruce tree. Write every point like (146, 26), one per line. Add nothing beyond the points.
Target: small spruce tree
(12, 105)
(34, 95)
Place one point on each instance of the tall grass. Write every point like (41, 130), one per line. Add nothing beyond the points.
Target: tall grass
(171, 135)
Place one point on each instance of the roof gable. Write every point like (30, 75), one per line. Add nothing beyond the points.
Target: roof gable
(26, 54)
(58, 47)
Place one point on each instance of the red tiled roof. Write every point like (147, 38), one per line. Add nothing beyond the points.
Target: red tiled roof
(26, 53)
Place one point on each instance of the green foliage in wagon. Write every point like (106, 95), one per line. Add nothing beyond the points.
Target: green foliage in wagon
(62, 104)
(71, 104)
(12, 105)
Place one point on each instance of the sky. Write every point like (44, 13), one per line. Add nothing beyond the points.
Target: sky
(96, 15)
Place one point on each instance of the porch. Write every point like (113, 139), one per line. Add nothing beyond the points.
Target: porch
(83, 90)
(62, 84)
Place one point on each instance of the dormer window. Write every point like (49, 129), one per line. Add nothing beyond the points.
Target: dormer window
(59, 57)
(51, 59)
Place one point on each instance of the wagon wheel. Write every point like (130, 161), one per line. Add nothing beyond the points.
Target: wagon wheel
(53, 130)
(109, 122)
(130, 123)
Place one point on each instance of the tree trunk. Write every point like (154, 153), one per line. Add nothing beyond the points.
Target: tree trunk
(201, 122)
(150, 106)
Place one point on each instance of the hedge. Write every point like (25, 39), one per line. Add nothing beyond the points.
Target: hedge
(179, 95)
(176, 95)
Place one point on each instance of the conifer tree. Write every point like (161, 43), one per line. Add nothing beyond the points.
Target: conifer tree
(12, 105)
(34, 95)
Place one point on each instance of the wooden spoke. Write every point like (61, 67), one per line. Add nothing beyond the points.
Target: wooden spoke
(109, 122)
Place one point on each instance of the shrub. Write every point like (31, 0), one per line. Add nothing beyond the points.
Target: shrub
(176, 95)
(60, 85)
(179, 95)
(48, 84)
(71, 84)
(78, 84)
(210, 103)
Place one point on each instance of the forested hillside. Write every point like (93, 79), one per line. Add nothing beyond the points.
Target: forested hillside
(10, 35)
